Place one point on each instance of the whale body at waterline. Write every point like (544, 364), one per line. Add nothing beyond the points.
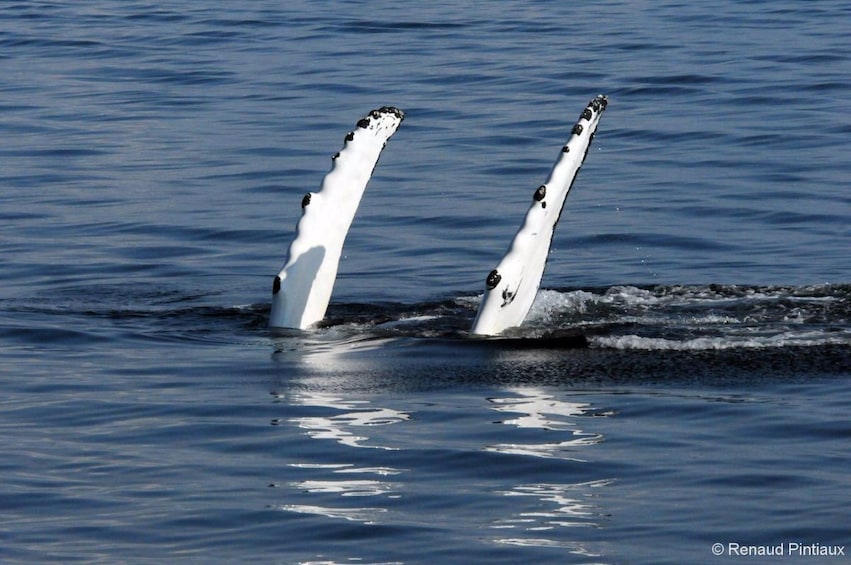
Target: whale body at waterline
(302, 289)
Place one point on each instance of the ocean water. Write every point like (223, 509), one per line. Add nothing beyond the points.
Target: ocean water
(683, 380)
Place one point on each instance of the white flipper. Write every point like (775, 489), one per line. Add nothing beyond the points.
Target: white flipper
(302, 289)
(511, 287)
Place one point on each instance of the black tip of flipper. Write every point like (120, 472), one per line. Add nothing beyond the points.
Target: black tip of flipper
(389, 110)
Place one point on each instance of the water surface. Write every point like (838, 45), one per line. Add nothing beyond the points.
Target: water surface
(152, 162)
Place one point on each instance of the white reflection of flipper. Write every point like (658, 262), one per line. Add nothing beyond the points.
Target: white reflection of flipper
(540, 410)
(302, 289)
(511, 287)
(354, 416)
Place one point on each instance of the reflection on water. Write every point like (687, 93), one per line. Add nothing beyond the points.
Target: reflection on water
(360, 485)
(333, 482)
(346, 488)
(539, 410)
(362, 515)
(543, 508)
(356, 414)
(571, 506)
(347, 468)
(334, 486)
(343, 487)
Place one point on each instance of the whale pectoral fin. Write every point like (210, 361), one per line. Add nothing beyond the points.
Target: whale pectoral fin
(302, 289)
(511, 287)
(293, 303)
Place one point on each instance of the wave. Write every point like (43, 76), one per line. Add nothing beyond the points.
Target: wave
(651, 318)
(701, 317)
(675, 317)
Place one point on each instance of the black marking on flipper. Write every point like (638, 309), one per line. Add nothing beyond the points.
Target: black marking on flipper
(599, 103)
(350, 136)
(587, 114)
(363, 123)
(305, 201)
(335, 156)
(276, 286)
(507, 297)
(540, 194)
(391, 110)
(577, 129)
(565, 149)
(493, 279)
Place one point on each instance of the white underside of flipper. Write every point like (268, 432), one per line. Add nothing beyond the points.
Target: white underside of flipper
(302, 289)
(512, 286)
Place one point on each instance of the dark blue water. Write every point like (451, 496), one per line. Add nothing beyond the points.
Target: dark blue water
(152, 162)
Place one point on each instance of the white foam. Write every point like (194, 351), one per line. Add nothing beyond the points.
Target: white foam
(706, 318)
(404, 322)
(549, 303)
(717, 343)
